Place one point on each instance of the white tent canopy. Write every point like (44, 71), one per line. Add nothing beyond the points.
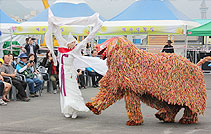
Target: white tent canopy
(64, 9)
(5, 29)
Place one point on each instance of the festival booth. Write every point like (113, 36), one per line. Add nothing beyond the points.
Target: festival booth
(205, 31)
(6, 34)
(38, 25)
(143, 18)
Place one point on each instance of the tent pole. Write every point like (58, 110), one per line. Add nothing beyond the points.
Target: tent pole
(92, 41)
(11, 41)
(206, 45)
(186, 41)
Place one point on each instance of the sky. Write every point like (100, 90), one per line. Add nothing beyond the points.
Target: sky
(107, 8)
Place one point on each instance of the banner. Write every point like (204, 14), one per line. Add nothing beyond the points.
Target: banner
(105, 30)
(75, 30)
(136, 30)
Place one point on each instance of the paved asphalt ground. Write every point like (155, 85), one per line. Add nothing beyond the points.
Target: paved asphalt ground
(42, 116)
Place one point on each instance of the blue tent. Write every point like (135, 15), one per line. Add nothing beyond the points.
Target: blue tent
(150, 10)
(65, 10)
(5, 22)
(4, 18)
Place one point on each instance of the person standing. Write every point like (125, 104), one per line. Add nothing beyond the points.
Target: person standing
(22, 47)
(32, 47)
(168, 48)
(71, 59)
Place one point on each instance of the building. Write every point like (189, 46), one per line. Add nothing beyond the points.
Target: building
(203, 9)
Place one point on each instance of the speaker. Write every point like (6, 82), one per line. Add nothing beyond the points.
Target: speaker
(206, 65)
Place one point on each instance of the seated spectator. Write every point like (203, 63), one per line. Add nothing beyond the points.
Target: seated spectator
(87, 51)
(4, 90)
(94, 53)
(12, 60)
(2, 103)
(25, 68)
(81, 79)
(91, 72)
(8, 71)
(96, 77)
(1, 63)
(31, 59)
(52, 70)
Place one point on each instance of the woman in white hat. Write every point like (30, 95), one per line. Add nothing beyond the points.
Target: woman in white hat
(71, 59)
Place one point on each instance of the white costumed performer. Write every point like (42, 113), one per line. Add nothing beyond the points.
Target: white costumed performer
(71, 59)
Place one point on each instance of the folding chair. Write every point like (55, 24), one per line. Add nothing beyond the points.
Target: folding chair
(23, 77)
(13, 91)
(42, 70)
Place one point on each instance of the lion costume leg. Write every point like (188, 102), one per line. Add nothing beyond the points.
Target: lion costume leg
(189, 117)
(133, 107)
(166, 113)
(103, 100)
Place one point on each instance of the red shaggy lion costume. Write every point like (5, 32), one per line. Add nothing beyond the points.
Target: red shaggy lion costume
(166, 82)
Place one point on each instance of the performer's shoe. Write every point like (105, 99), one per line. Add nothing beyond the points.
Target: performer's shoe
(67, 115)
(74, 115)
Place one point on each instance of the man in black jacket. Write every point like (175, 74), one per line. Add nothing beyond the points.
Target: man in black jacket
(168, 48)
(32, 47)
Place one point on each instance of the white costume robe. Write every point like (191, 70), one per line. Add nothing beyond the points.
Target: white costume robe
(71, 98)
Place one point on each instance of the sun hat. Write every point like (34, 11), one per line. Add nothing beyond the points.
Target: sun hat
(23, 55)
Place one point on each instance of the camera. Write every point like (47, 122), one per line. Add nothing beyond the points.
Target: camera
(31, 61)
(33, 38)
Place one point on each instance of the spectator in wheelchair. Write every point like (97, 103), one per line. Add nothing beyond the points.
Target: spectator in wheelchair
(25, 67)
(53, 71)
(8, 72)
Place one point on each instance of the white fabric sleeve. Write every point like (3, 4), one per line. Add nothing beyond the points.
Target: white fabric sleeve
(91, 35)
(22, 69)
(54, 24)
